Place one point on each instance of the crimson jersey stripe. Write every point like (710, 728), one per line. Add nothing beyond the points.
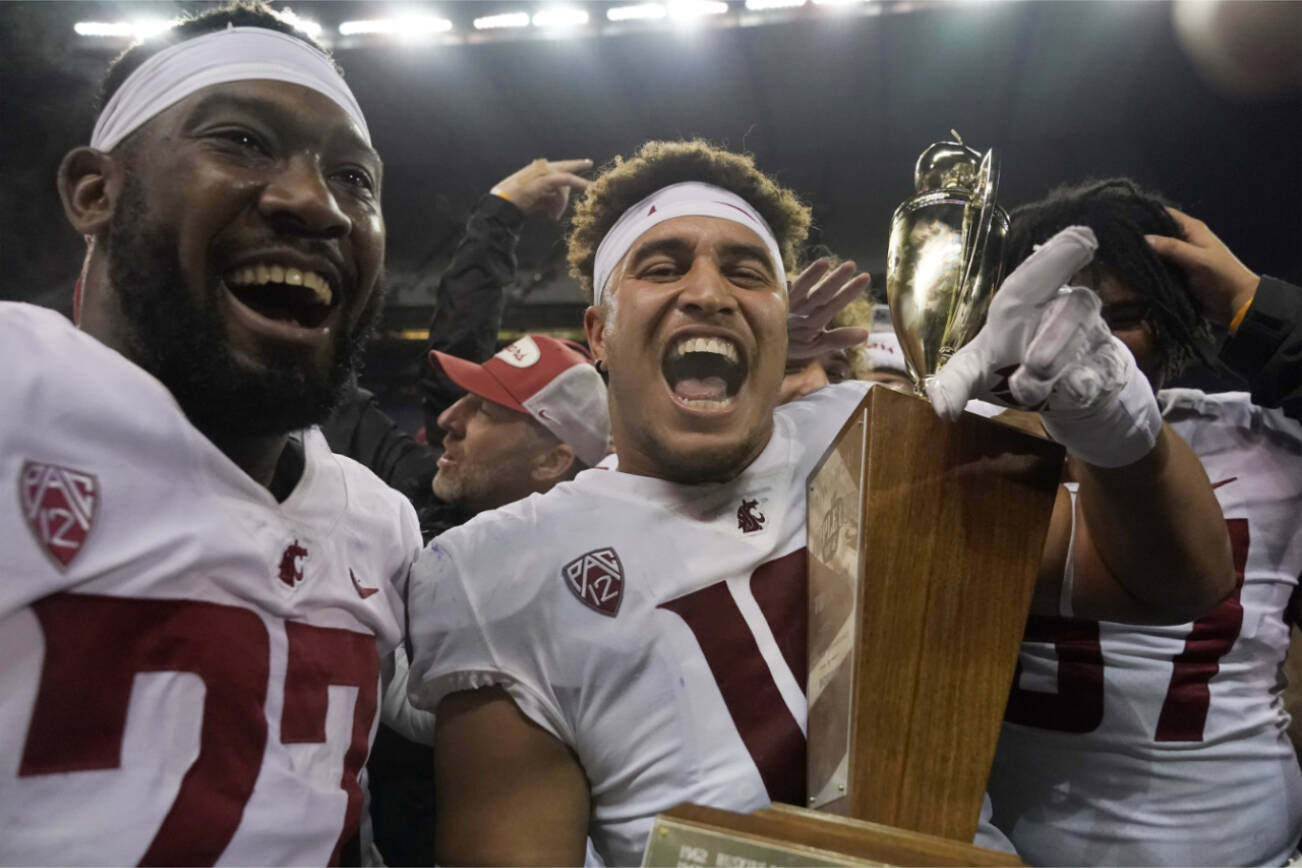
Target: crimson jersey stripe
(781, 588)
(767, 728)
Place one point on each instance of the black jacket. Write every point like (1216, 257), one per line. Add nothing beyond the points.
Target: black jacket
(1267, 348)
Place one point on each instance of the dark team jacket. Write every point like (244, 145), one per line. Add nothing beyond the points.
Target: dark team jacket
(1267, 348)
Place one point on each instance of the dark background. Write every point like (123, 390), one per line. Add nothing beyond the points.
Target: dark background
(837, 103)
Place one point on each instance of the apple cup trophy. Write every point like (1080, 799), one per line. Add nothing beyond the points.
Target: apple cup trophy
(924, 538)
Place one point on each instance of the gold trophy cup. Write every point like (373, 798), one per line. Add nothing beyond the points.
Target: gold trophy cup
(945, 258)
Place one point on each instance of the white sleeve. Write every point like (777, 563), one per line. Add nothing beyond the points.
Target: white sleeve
(453, 648)
(396, 709)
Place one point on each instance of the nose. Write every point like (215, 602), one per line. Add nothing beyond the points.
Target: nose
(453, 419)
(706, 290)
(298, 200)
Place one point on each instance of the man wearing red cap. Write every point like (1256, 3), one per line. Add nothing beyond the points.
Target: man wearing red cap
(535, 415)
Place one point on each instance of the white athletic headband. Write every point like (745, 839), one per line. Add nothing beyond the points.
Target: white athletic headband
(233, 54)
(689, 199)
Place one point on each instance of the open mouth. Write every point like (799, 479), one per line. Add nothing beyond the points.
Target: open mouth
(298, 296)
(704, 373)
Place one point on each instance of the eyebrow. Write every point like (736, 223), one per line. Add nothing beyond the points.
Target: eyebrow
(678, 247)
(216, 102)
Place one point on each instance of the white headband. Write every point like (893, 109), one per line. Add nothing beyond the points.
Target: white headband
(689, 199)
(233, 54)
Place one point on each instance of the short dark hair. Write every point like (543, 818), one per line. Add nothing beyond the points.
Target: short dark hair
(240, 13)
(1121, 213)
(624, 183)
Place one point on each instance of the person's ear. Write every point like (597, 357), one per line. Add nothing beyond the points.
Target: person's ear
(594, 326)
(89, 182)
(552, 465)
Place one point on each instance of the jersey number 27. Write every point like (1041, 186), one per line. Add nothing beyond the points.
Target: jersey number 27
(96, 645)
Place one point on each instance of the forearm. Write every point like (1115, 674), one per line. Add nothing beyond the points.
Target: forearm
(470, 300)
(1266, 348)
(468, 308)
(1158, 530)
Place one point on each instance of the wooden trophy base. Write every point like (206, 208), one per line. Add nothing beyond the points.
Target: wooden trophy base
(925, 539)
(797, 837)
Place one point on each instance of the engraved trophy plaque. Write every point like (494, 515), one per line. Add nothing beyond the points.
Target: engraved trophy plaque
(945, 258)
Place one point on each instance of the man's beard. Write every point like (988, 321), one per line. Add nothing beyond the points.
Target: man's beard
(182, 341)
(716, 465)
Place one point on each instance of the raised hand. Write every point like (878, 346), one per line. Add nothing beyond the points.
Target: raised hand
(543, 186)
(1220, 283)
(1045, 347)
(817, 294)
(1038, 331)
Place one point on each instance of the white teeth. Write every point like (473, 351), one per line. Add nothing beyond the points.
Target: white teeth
(263, 274)
(718, 346)
(704, 404)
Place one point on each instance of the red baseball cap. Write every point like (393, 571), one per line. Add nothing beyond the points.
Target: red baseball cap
(546, 379)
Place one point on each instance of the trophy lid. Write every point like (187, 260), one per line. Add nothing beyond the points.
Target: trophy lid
(947, 164)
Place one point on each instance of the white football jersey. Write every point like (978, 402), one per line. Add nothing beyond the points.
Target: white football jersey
(1128, 745)
(189, 669)
(657, 629)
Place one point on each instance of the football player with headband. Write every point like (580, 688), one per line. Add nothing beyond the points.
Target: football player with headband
(635, 639)
(197, 591)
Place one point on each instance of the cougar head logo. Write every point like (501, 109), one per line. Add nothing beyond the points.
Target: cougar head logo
(291, 564)
(750, 519)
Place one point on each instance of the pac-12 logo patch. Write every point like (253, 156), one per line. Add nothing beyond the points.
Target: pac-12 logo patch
(59, 504)
(597, 579)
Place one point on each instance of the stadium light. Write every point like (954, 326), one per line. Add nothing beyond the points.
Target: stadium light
(139, 29)
(764, 5)
(504, 20)
(638, 12)
(560, 16)
(408, 25)
(685, 10)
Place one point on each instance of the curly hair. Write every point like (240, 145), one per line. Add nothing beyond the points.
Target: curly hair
(1121, 213)
(239, 13)
(625, 182)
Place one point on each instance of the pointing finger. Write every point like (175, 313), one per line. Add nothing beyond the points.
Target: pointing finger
(1037, 279)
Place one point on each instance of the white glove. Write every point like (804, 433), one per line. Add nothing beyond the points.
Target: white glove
(1045, 347)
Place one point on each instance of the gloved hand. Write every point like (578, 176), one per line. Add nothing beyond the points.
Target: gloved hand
(814, 297)
(1045, 347)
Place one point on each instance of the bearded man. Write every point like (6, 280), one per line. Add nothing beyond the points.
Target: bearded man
(198, 591)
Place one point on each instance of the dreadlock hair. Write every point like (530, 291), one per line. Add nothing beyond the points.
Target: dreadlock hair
(624, 183)
(1121, 213)
(238, 13)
